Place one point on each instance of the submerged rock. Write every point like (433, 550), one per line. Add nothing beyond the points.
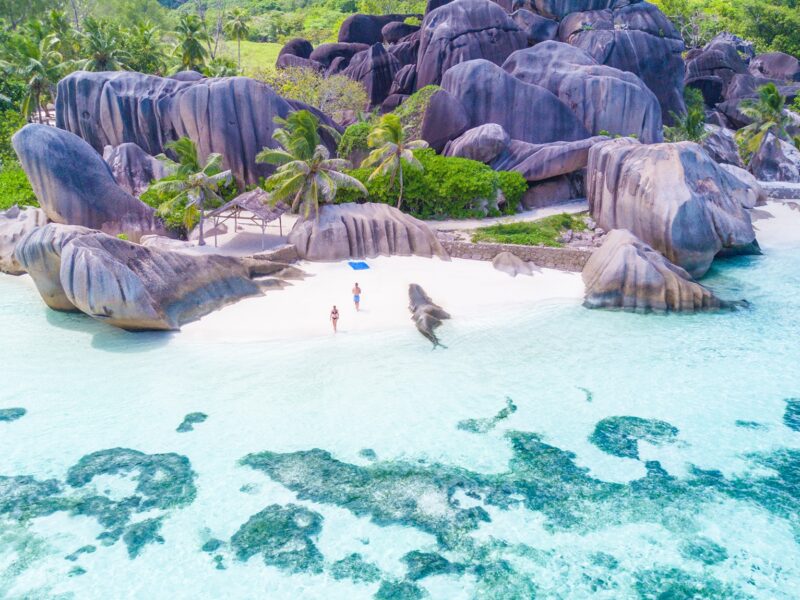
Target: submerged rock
(75, 186)
(133, 168)
(190, 420)
(15, 224)
(40, 254)
(11, 414)
(284, 537)
(368, 230)
(355, 568)
(486, 425)
(626, 273)
(140, 534)
(620, 436)
(674, 198)
(426, 315)
(791, 416)
(138, 288)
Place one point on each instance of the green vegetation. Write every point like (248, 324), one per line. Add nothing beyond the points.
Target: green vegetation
(392, 153)
(691, 126)
(773, 26)
(446, 187)
(413, 109)
(354, 139)
(769, 115)
(14, 185)
(237, 27)
(193, 186)
(306, 174)
(257, 57)
(544, 232)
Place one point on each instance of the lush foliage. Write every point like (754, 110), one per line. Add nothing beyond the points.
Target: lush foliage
(769, 115)
(335, 96)
(354, 139)
(446, 187)
(690, 126)
(306, 175)
(15, 188)
(413, 109)
(544, 232)
(772, 25)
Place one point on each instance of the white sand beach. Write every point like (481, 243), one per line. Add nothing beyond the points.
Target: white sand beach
(465, 288)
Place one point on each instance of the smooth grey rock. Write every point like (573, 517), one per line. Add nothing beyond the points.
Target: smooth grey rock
(528, 112)
(133, 168)
(464, 30)
(536, 27)
(776, 65)
(601, 97)
(760, 194)
(325, 54)
(405, 81)
(15, 224)
(444, 119)
(555, 191)
(537, 162)
(406, 51)
(712, 68)
(672, 197)
(136, 288)
(350, 230)
(367, 29)
(233, 116)
(397, 30)
(483, 143)
(299, 47)
(426, 315)
(40, 254)
(75, 186)
(636, 38)
(558, 9)
(775, 161)
(375, 70)
(511, 264)
(290, 61)
(187, 76)
(720, 144)
(625, 273)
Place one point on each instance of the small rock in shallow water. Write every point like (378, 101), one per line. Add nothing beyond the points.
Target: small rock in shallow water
(211, 545)
(355, 568)
(190, 420)
(368, 453)
(791, 416)
(399, 590)
(619, 436)
(11, 414)
(82, 550)
(703, 550)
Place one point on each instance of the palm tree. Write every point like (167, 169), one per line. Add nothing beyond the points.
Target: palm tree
(391, 151)
(191, 34)
(103, 44)
(192, 184)
(40, 65)
(306, 172)
(768, 113)
(237, 28)
(145, 48)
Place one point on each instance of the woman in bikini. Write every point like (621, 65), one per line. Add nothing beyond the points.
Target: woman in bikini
(334, 317)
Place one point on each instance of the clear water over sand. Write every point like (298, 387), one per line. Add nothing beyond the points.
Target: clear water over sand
(636, 455)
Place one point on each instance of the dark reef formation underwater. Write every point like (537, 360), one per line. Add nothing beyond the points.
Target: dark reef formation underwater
(448, 502)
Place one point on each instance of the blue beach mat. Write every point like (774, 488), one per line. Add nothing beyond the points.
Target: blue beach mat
(358, 266)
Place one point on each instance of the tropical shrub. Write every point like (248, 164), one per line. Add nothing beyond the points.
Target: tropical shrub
(544, 232)
(690, 126)
(354, 139)
(15, 188)
(413, 109)
(446, 187)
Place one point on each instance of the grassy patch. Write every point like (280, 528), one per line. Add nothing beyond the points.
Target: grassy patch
(544, 232)
(255, 55)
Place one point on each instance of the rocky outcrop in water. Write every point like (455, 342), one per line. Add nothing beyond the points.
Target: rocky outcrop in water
(138, 288)
(40, 254)
(232, 116)
(75, 186)
(15, 224)
(368, 230)
(464, 30)
(673, 197)
(133, 168)
(626, 273)
(426, 315)
(637, 38)
(601, 97)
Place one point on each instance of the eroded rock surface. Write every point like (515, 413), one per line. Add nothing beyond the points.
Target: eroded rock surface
(673, 197)
(626, 273)
(15, 224)
(75, 186)
(511, 264)
(138, 288)
(133, 168)
(362, 231)
(426, 315)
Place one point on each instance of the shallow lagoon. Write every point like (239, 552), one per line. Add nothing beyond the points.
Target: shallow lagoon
(644, 455)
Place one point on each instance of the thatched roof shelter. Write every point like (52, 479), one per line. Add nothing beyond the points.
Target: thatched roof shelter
(253, 206)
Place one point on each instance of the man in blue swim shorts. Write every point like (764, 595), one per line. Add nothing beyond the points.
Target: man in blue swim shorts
(356, 295)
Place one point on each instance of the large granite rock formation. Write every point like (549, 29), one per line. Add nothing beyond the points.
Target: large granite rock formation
(444, 119)
(133, 168)
(720, 144)
(427, 315)
(536, 27)
(483, 143)
(636, 38)
(326, 54)
(712, 68)
(558, 9)
(362, 231)
(464, 30)
(776, 65)
(138, 288)
(15, 224)
(375, 70)
(40, 254)
(75, 186)
(232, 116)
(672, 197)
(528, 112)
(603, 98)
(775, 160)
(626, 273)
(297, 47)
(366, 29)
(397, 30)
(405, 81)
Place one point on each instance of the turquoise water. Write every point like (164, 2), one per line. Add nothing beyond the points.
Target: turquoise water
(555, 453)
